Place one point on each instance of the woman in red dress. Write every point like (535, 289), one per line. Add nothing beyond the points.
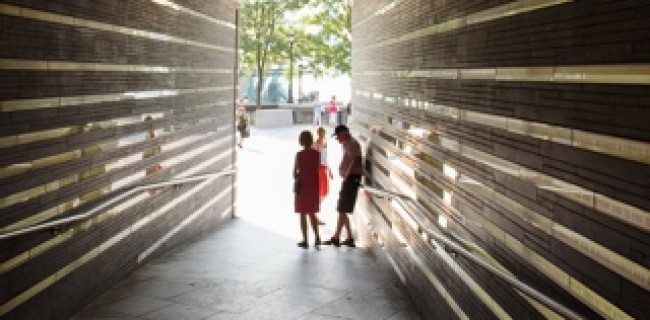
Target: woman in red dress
(306, 188)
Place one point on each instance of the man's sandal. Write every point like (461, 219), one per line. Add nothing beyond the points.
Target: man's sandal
(303, 244)
(332, 241)
(349, 243)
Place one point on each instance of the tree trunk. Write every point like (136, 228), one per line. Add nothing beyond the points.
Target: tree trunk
(260, 82)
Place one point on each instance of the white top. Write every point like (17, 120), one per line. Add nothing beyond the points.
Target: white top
(323, 155)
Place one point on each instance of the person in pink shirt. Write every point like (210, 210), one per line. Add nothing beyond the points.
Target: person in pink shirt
(333, 110)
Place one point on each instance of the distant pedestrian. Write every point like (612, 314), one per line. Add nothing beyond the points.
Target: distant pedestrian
(324, 172)
(305, 173)
(350, 170)
(333, 110)
(243, 125)
(318, 111)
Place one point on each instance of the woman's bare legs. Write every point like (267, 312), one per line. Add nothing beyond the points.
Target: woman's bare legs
(313, 220)
(240, 141)
(314, 226)
(303, 228)
(319, 220)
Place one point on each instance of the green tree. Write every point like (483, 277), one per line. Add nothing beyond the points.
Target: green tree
(263, 34)
(327, 35)
(321, 36)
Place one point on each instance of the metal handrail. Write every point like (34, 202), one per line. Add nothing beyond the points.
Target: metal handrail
(513, 281)
(122, 194)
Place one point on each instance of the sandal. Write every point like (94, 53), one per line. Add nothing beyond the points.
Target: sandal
(332, 241)
(303, 244)
(349, 243)
(317, 242)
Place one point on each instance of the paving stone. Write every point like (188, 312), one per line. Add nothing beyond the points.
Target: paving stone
(134, 306)
(175, 312)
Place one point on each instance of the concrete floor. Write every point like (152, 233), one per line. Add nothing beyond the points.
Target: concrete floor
(250, 268)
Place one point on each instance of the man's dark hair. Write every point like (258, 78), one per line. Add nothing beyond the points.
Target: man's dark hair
(340, 129)
(306, 139)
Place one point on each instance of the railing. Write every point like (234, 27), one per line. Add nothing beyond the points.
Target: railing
(453, 246)
(120, 195)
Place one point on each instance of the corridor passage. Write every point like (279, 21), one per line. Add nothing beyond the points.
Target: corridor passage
(251, 268)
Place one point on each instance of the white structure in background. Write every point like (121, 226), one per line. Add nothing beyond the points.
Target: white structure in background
(273, 118)
(327, 87)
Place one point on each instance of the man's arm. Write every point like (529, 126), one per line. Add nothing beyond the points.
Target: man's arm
(295, 167)
(351, 157)
(345, 166)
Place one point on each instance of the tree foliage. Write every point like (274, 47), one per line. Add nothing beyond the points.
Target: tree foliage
(327, 36)
(263, 35)
(321, 36)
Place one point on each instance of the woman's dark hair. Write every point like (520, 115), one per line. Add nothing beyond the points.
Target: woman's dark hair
(306, 139)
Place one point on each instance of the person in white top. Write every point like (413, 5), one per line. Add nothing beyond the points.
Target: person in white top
(318, 111)
(324, 171)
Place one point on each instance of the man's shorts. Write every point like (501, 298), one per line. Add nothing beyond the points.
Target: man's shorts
(348, 194)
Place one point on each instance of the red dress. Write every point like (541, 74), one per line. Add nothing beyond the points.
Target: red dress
(308, 162)
(323, 173)
(323, 176)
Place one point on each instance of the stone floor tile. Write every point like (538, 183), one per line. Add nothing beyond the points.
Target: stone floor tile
(134, 306)
(405, 315)
(98, 312)
(161, 289)
(178, 312)
(274, 311)
(224, 315)
(349, 307)
(218, 298)
(104, 318)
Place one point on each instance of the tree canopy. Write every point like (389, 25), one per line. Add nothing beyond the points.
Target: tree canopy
(326, 36)
(321, 35)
